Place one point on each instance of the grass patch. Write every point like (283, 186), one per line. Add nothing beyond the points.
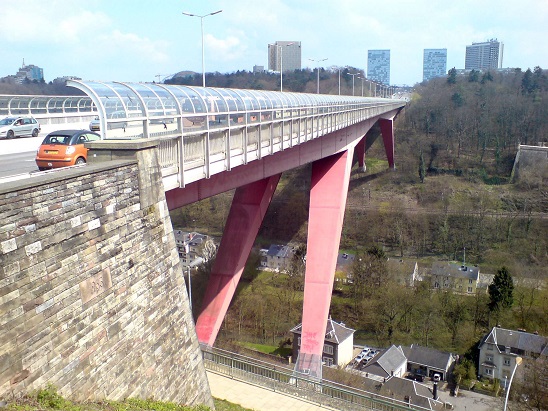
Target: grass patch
(48, 399)
(268, 349)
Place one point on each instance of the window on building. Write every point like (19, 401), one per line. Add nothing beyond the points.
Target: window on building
(489, 358)
(470, 281)
(469, 289)
(328, 349)
(436, 285)
(299, 341)
(328, 361)
(488, 371)
(507, 361)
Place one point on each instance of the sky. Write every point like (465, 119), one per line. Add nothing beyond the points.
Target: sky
(145, 40)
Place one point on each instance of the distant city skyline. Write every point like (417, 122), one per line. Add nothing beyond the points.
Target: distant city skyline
(128, 41)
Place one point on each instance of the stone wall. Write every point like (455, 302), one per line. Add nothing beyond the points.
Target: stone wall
(92, 295)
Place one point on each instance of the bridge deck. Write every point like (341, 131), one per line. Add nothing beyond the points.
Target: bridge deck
(205, 131)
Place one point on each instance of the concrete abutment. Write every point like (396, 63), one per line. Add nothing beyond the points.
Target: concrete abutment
(92, 295)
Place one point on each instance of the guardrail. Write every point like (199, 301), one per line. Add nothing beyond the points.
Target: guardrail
(289, 382)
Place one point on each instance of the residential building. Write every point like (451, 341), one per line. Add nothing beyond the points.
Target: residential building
(428, 361)
(258, 69)
(387, 364)
(277, 257)
(193, 246)
(500, 348)
(338, 343)
(484, 56)
(284, 55)
(378, 66)
(434, 63)
(414, 393)
(452, 276)
(30, 72)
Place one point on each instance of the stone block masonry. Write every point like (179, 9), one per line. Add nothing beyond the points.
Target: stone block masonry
(92, 294)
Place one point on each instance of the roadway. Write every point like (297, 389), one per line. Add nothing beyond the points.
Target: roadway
(17, 154)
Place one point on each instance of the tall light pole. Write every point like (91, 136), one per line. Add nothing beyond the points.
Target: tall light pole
(353, 75)
(518, 362)
(202, 27)
(362, 79)
(339, 68)
(318, 68)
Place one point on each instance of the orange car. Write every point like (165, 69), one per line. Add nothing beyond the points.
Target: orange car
(64, 148)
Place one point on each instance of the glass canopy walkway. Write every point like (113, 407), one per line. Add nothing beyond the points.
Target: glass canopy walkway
(210, 130)
(41, 106)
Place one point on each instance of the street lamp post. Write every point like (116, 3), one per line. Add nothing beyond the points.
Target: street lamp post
(202, 28)
(340, 68)
(353, 75)
(518, 362)
(193, 264)
(362, 79)
(318, 68)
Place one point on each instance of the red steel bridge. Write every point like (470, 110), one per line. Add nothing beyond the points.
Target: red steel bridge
(212, 140)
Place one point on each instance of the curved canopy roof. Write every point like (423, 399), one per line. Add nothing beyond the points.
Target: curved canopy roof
(149, 100)
(31, 104)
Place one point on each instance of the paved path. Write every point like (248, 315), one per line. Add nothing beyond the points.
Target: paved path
(254, 397)
(262, 399)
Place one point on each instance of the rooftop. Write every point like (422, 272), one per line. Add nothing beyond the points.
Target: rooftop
(517, 340)
(334, 332)
(428, 356)
(455, 270)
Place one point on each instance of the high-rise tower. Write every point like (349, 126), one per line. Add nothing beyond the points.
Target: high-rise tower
(484, 56)
(284, 55)
(378, 66)
(434, 63)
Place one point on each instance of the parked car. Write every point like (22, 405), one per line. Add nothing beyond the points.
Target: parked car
(19, 126)
(64, 148)
(94, 124)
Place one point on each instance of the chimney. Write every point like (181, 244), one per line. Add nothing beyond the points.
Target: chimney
(435, 391)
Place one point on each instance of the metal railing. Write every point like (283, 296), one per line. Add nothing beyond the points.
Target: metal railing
(204, 152)
(288, 382)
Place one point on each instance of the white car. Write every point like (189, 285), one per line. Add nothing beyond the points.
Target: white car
(19, 126)
(94, 124)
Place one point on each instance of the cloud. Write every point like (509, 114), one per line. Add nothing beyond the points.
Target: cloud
(226, 49)
(46, 25)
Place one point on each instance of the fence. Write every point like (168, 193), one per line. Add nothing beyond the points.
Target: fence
(288, 382)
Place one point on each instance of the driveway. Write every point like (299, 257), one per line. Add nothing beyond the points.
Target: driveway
(471, 401)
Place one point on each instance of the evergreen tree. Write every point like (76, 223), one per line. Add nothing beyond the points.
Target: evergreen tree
(452, 76)
(473, 77)
(501, 291)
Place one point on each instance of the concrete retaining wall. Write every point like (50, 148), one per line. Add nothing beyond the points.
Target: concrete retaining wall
(92, 295)
(532, 160)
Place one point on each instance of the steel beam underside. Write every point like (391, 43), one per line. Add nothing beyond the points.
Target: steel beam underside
(248, 209)
(328, 192)
(387, 131)
(360, 153)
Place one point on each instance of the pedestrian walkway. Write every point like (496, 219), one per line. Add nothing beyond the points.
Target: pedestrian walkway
(255, 397)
